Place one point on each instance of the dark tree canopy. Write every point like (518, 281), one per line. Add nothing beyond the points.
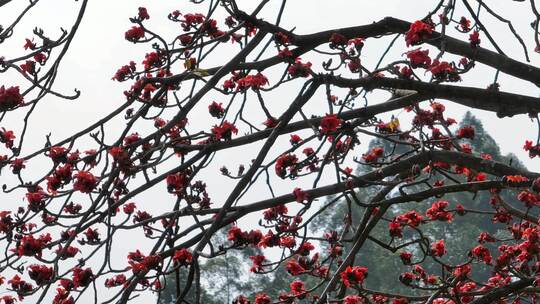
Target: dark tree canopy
(251, 162)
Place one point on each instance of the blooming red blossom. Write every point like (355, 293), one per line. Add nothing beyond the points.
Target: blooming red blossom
(41, 274)
(143, 13)
(216, 110)
(7, 137)
(258, 261)
(17, 165)
(176, 183)
(10, 98)
(262, 298)
(466, 132)
(298, 288)
(29, 67)
(352, 300)
(474, 39)
(299, 69)
(82, 277)
(254, 82)
(373, 155)
(152, 60)
(117, 280)
(20, 286)
(66, 253)
(134, 34)
(481, 253)
(125, 72)
(444, 71)
(330, 123)
(337, 40)
(30, 246)
(224, 131)
(300, 195)
(284, 162)
(354, 275)
(85, 182)
(182, 257)
(419, 58)
(438, 248)
(465, 24)
(418, 33)
(438, 212)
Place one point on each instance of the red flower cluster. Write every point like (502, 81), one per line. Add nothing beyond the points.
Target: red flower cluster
(67, 252)
(20, 286)
(116, 281)
(258, 261)
(134, 34)
(438, 212)
(419, 58)
(474, 39)
(182, 257)
(466, 132)
(125, 72)
(438, 248)
(145, 264)
(85, 182)
(10, 98)
(330, 123)
(534, 150)
(41, 274)
(352, 300)
(7, 137)
(254, 82)
(191, 20)
(30, 246)
(143, 14)
(82, 277)
(481, 253)
(240, 238)
(300, 195)
(284, 162)
(225, 131)
(373, 155)
(152, 60)
(176, 183)
(465, 24)
(299, 69)
(337, 40)
(354, 275)
(58, 154)
(272, 214)
(444, 71)
(216, 110)
(418, 32)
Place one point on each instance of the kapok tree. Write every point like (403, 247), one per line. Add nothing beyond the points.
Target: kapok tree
(78, 197)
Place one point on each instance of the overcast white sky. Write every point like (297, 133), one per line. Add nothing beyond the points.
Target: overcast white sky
(99, 49)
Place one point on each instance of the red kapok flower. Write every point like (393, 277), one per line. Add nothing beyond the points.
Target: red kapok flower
(85, 182)
(182, 257)
(82, 277)
(224, 131)
(10, 98)
(438, 248)
(330, 123)
(354, 275)
(41, 274)
(418, 32)
(134, 34)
